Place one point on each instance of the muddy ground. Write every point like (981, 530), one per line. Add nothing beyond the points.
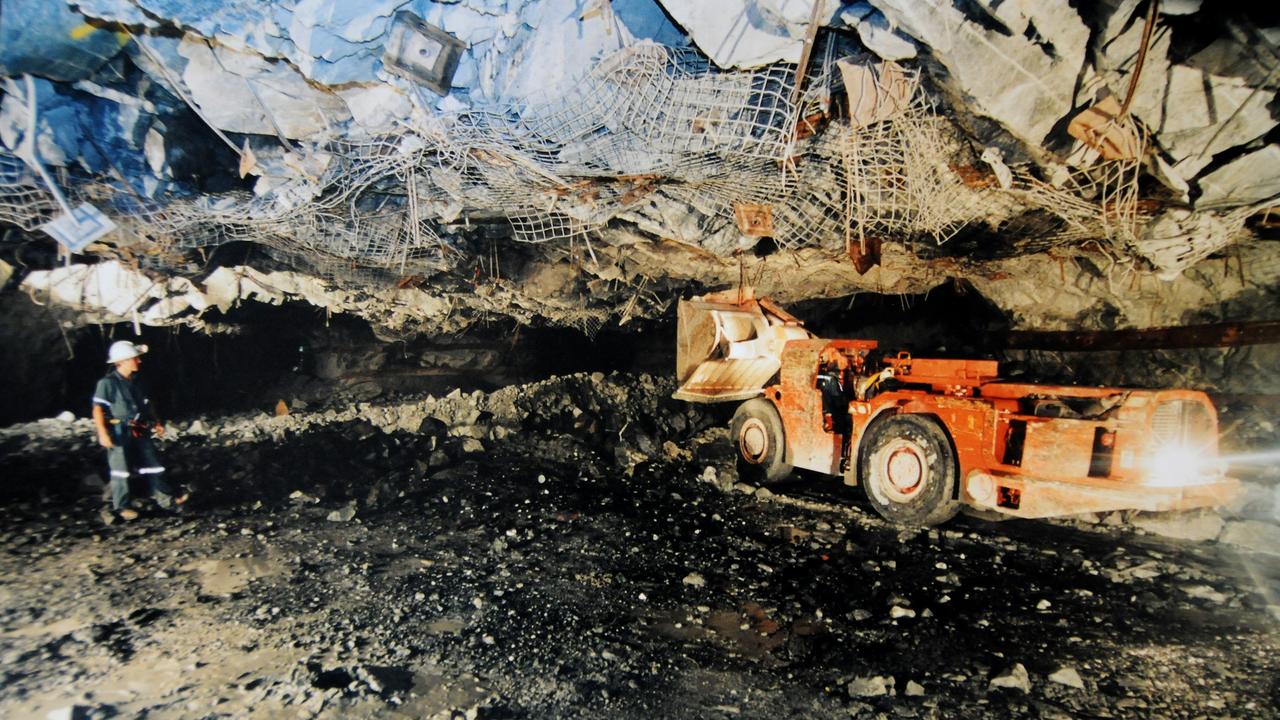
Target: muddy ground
(577, 549)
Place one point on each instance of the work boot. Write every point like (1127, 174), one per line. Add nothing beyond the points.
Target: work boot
(172, 503)
(128, 514)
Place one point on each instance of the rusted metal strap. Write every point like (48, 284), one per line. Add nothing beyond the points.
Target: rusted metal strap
(1152, 7)
(805, 53)
(1233, 334)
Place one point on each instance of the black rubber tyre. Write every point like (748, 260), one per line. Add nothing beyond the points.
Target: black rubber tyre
(761, 443)
(907, 471)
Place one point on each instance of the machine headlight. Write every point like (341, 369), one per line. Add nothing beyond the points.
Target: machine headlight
(1177, 465)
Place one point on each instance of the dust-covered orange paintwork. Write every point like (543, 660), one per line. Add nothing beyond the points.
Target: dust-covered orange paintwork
(1056, 471)
(1021, 449)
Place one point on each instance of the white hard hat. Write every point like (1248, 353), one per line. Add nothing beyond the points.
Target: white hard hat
(122, 350)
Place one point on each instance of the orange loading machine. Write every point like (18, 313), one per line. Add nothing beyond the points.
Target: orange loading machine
(924, 437)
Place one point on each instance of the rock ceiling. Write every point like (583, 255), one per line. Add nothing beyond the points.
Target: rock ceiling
(426, 164)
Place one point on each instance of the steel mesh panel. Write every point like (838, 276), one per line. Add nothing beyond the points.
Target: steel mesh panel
(645, 121)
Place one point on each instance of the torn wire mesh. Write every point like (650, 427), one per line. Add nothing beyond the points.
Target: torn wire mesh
(646, 121)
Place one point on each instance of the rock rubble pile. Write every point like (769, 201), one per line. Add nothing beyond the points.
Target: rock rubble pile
(579, 547)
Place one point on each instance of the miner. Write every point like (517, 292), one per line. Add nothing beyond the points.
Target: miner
(126, 421)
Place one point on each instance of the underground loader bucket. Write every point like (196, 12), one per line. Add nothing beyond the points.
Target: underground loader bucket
(728, 349)
(696, 338)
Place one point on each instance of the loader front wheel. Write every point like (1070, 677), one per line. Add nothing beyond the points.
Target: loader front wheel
(907, 471)
(757, 433)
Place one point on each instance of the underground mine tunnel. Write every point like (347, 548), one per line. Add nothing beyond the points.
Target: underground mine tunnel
(639, 359)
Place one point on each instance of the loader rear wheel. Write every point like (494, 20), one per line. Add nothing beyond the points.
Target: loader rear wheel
(757, 433)
(907, 471)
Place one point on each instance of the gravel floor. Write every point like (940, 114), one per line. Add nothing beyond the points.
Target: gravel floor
(551, 574)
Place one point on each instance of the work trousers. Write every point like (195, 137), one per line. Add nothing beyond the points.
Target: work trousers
(140, 455)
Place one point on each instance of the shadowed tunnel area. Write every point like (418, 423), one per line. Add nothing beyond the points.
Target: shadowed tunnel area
(639, 359)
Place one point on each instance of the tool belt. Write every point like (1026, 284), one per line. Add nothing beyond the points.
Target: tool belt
(135, 428)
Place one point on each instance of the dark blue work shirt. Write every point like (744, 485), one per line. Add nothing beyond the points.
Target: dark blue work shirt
(123, 399)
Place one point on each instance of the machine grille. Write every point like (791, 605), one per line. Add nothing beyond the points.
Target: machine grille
(1182, 422)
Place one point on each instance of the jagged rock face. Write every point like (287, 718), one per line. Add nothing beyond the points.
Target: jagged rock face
(600, 137)
(635, 278)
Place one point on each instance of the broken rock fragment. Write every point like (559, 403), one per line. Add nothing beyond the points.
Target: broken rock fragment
(1021, 74)
(1248, 179)
(288, 103)
(1199, 525)
(1067, 676)
(1253, 535)
(874, 686)
(897, 612)
(1205, 592)
(748, 33)
(1014, 678)
(344, 514)
(877, 34)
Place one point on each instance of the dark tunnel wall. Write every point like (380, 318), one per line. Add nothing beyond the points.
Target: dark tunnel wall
(259, 354)
(952, 320)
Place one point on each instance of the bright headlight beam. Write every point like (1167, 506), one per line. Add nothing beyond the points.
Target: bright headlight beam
(1177, 465)
(1268, 457)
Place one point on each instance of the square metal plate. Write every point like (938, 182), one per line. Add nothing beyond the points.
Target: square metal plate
(419, 51)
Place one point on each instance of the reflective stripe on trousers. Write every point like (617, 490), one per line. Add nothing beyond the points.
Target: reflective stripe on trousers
(141, 454)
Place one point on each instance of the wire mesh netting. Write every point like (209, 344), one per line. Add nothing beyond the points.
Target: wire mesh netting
(23, 201)
(645, 122)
